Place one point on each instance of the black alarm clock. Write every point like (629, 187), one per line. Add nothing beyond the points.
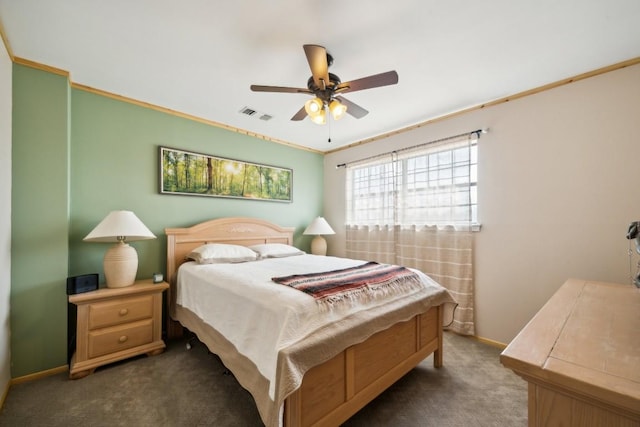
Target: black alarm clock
(81, 284)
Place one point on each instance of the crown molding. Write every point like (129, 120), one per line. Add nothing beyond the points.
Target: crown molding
(65, 73)
(504, 100)
(185, 115)
(42, 67)
(5, 41)
(559, 83)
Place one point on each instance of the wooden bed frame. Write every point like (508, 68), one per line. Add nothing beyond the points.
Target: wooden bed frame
(336, 389)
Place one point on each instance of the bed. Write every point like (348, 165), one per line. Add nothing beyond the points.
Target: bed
(325, 376)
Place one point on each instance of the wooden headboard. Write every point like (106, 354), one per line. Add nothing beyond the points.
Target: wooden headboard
(233, 230)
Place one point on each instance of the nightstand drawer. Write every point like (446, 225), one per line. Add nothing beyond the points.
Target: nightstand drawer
(110, 313)
(117, 338)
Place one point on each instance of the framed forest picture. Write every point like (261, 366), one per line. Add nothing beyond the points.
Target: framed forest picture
(196, 174)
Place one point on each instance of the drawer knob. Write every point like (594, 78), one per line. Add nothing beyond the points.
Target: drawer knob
(123, 338)
(124, 312)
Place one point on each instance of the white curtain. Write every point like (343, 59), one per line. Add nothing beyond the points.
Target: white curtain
(417, 208)
(372, 243)
(447, 257)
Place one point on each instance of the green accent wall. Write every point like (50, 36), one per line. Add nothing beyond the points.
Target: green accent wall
(115, 165)
(39, 220)
(79, 155)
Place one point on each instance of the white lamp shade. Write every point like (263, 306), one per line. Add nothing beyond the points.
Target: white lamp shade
(319, 226)
(119, 225)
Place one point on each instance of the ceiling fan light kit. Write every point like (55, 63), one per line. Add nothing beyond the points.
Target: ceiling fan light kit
(327, 88)
(315, 109)
(337, 109)
(313, 106)
(320, 118)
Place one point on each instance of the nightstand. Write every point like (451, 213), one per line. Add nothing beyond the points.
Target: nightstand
(115, 324)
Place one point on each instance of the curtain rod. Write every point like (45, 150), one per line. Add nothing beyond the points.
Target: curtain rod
(477, 132)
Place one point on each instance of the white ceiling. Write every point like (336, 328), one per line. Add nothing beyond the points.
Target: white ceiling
(199, 57)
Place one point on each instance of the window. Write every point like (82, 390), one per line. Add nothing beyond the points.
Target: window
(433, 184)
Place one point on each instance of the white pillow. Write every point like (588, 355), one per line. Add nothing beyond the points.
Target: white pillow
(276, 250)
(220, 253)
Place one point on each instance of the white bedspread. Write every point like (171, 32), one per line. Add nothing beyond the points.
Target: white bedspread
(259, 316)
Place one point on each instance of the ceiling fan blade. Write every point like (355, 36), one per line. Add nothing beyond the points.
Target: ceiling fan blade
(300, 115)
(354, 109)
(259, 88)
(317, 59)
(376, 80)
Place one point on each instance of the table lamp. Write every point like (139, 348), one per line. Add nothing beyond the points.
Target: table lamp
(121, 260)
(318, 227)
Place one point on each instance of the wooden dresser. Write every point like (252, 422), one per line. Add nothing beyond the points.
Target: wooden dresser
(581, 356)
(115, 324)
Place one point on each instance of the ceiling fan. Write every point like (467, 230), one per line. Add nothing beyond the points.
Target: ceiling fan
(327, 88)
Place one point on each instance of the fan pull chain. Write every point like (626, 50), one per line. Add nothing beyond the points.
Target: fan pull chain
(329, 127)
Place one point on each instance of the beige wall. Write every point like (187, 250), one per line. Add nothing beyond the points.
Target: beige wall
(558, 185)
(5, 215)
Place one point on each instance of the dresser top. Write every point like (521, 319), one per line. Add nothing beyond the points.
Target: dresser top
(585, 339)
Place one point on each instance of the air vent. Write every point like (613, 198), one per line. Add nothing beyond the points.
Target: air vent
(248, 111)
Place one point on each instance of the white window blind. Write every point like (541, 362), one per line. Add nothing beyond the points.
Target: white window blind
(430, 184)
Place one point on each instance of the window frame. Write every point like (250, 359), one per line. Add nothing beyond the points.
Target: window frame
(455, 173)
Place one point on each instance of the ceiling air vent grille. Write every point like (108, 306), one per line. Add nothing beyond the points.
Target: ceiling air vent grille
(248, 111)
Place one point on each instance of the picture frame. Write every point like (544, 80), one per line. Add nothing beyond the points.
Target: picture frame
(189, 173)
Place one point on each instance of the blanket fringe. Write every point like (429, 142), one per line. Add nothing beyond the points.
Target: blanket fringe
(352, 286)
(369, 293)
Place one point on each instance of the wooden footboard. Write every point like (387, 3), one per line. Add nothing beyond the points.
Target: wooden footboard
(337, 389)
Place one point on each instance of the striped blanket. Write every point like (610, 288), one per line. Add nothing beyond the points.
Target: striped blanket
(354, 285)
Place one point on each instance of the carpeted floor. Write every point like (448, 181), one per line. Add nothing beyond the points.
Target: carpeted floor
(191, 388)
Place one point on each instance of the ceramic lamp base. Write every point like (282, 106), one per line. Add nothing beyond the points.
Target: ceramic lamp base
(120, 265)
(319, 246)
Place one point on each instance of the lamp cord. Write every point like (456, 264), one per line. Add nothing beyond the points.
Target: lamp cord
(634, 278)
(630, 262)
